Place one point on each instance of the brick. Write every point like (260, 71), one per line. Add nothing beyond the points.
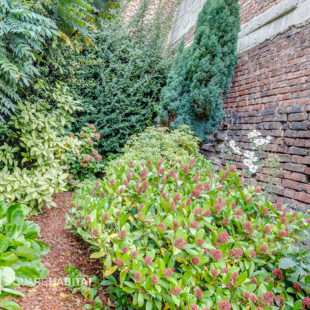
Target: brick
(300, 159)
(290, 109)
(295, 167)
(306, 188)
(284, 158)
(276, 148)
(273, 125)
(297, 151)
(292, 184)
(304, 197)
(296, 142)
(296, 134)
(274, 118)
(288, 193)
(268, 111)
(299, 125)
(296, 176)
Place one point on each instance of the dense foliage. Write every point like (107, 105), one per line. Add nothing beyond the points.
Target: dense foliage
(36, 33)
(119, 81)
(20, 252)
(36, 147)
(191, 239)
(23, 36)
(85, 163)
(174, 147)
(202, 73)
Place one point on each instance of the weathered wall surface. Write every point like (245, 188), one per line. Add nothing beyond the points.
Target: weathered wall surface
(154, 5)
(271, 93)
(270, 90)
(185, 20)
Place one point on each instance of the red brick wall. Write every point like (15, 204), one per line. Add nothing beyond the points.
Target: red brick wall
(252, 8)
(133, 6)
(271, 93)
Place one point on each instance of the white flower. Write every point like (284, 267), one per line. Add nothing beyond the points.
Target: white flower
(248, 162)
(232, 143)
(254, 134)
(268, 139)
(249, 154)
(237, 150)
(253, 168)
(259, 142)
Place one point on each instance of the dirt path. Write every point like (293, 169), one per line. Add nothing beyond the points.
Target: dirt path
(51, 294)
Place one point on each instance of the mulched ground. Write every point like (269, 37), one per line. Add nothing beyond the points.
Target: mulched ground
(66, 248)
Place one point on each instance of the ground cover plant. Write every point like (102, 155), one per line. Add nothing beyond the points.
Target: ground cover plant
(187, 238)
(20, 252)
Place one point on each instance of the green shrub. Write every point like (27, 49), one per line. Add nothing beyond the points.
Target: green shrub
(174, 147)
(202, 73)
(85, 163)
(191, 239)
(20, 252)
(119, 81)
(23, 35)
(32, 159)
(33, 187)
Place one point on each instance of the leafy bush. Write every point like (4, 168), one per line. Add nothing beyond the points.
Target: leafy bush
(190, 239)
(174, 147)
(86, 162)
(119, 81)
(20, 252)
(23, 35)
(202, 73)
(36, 33)
(32, 159)
(33, 187)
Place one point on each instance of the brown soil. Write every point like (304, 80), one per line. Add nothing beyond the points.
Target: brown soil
(66, 248)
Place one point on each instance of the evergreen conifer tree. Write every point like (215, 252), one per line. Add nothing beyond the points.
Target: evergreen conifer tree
(202, 73)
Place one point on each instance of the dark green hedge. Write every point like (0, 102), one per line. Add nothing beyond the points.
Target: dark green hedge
(119, 81)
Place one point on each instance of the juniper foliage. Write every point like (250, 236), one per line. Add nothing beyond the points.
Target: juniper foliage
(202, 73)
(119, 80)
